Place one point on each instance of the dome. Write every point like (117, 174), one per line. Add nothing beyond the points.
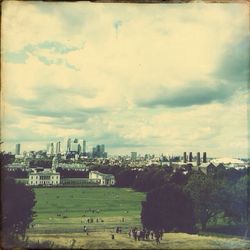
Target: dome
(226, 160)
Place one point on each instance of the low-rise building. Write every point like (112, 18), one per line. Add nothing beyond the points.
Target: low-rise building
(44, 178)
(102, 179)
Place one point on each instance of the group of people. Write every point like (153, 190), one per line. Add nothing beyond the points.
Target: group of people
(92, 210)
(91, 220)
(145, 234)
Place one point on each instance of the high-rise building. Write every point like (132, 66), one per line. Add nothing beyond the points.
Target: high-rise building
(102, 149)
(74, 147)
(79, 148)
(204, 157)
(198, 159)
(51, 150)
(133, 155)
(99, 151)
(18, 149)
(190, 157)
(84, 146)
(68, 145)
(185, 157)
(75, 140)
(94, 152)
(58, 147)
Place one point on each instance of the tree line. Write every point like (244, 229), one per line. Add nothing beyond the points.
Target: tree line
(186, 200)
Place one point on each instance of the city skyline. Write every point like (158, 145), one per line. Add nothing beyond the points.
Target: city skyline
(57, 147)
(138, 78)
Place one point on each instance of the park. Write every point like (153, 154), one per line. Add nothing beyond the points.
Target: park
(62, 213)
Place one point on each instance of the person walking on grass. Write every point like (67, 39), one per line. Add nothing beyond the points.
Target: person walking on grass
(161, 233)
(157, 237)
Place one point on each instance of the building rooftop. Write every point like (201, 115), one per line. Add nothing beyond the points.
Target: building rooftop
(104, 175)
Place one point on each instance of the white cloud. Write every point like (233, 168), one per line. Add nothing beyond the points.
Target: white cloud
(95, 91)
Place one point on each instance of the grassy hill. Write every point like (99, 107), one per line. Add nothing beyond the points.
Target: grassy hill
(102, 240)
(61, 214)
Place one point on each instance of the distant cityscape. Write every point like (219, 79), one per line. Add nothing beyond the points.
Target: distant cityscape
(76, 152)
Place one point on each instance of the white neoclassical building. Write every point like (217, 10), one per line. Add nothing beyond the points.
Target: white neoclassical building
(44, 178)
(102, 179)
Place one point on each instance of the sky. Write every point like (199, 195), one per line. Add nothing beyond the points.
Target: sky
(150, 78)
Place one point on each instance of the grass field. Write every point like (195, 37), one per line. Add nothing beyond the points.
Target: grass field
(68, 209)
(98, 240)
(59, 219)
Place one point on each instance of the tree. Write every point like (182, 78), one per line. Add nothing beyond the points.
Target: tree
(168, 208)
(151, 178)
(238, 202)
(207, 195)
(6, 158)
(44, 163)
(17, 203)
(179, 178)
(125, 178)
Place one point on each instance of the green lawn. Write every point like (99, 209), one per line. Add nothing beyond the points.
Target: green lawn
(68, 209)
(113, 205)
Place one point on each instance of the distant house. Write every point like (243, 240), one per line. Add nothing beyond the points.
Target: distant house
(44, 178)
(102, 179)
(207, 168)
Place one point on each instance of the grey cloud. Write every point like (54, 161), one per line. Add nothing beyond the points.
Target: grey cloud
(37, 108)
(51, 102)
(195, 95)
(234, 64)
(22, 134)
(115, 140)
(231, 76)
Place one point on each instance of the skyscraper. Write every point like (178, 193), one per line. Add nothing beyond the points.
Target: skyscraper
(58, 147)
(102, 149)
(18, 149)
(74, 147)
(84, 146)
(68, 145)
(51, 150)
(133, 155)
(94, 152)
(79, 148)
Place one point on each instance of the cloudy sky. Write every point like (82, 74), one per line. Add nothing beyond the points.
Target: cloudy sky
(148, 78)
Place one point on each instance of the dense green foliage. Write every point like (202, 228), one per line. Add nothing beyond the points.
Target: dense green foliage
(168, 208)
(207, 195)
(6, 158)
(17, 203)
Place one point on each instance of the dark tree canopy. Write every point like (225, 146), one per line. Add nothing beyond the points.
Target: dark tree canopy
(44, 163)
(125, 178)
(168, 208)
(208, 196)
(17, 203)
(6, 158)
(179, 178)
(238, 204)
(151, 178)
